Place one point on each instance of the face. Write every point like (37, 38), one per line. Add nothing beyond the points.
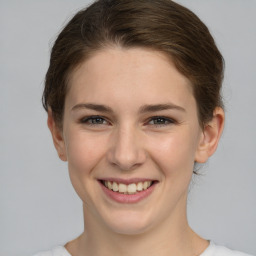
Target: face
(130, 124)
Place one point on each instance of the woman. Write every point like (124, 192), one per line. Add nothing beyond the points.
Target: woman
(133, 101)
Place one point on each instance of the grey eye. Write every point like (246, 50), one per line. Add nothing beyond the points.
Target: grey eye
(160, 121)
(94, 120)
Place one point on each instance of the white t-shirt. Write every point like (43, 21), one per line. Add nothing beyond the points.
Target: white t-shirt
(211, 250)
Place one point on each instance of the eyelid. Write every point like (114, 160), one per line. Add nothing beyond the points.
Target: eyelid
(85, 120)
(168, 119)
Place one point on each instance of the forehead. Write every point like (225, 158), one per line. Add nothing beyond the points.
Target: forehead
(135, 74)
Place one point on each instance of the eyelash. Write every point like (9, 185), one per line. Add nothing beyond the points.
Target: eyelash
(99, 120)
(92, 120)
(164, 121)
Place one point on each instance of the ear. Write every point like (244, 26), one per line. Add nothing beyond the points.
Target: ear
(210, 136)
(57, 136)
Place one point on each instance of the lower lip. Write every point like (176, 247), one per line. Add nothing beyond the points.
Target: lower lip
(126, 198)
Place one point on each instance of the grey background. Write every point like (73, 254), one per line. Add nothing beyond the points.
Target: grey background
(38, 207)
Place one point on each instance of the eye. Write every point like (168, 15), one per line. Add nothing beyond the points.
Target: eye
(94, 120)
(160, 121)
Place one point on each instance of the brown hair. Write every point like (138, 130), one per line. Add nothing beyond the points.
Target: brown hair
(158, 24)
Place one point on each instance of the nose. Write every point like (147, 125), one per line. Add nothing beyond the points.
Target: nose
(127, 149)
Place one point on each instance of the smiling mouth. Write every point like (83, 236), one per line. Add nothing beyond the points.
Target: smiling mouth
(130, 189)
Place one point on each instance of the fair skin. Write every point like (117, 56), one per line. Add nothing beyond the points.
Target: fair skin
(130, 117)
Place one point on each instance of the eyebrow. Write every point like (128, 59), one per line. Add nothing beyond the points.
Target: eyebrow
(96, 107)
(142, 110)
(159, 107)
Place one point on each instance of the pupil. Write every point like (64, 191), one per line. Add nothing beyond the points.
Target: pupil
(97, 120)
(160, 121)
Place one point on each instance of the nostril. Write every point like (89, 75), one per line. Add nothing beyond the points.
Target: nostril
(126, 153)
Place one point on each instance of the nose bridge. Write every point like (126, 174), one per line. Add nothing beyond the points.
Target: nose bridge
(126, 150)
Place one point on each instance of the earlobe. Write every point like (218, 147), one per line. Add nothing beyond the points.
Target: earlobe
(57, 136)
(210, 136)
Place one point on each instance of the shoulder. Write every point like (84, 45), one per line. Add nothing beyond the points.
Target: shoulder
(217, 250)
(57, 251)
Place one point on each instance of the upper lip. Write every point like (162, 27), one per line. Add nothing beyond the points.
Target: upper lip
(126, 181)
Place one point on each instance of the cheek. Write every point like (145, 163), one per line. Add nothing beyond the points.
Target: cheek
(84, 152)
(174, 154)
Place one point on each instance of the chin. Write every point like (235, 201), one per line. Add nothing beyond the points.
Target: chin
(129, 223)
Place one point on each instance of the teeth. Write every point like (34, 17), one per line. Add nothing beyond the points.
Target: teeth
(109, 185)
(122, 188)
(140, 186)
(145, 185)
(115, 187)
(131, 188)
(127, 189)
